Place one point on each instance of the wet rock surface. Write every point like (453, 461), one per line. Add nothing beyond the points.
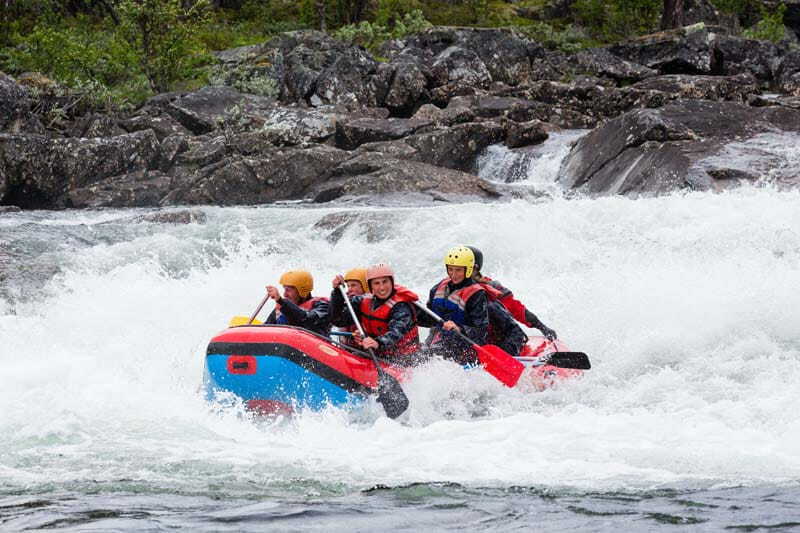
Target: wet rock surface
(306, 117)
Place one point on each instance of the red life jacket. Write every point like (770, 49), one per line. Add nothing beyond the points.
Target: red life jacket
(306, 306)
(376, 321)
(496, 292)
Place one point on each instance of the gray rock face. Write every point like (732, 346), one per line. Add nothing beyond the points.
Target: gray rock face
(281, 174)
(602, 63)
(136, 189)
(788, 74)
(14, 102)
(526, 133)
(378, 174)
(662, 150)
(734, 88)
(39, 171)
(741, 56)
(688, 50)
(353, 133)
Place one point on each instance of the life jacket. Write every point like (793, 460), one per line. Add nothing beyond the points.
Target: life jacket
(308, 305)
(498, 293)
(494, 291)
(376, 321)
(453, 305)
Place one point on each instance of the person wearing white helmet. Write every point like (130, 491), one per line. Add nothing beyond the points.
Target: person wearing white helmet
(296, 307)
(386, 314)
(462, 303)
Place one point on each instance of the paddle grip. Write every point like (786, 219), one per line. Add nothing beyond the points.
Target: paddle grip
(258, 310)
(441, 321)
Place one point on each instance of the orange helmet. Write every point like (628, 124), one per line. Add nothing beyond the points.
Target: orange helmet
(359, 275)
(300, 280)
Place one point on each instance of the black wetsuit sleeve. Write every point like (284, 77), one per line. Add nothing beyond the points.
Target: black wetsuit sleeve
(272, 318)
(508, 335)
(478, 312)
(316, 319)
(340, 314)
(401, 321)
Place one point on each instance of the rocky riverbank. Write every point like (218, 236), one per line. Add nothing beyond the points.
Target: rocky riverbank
(304, 116)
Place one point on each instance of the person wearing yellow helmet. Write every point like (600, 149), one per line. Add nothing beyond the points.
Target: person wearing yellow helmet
(386, 314)
(462, 304)
(356, 280)
(296, 307)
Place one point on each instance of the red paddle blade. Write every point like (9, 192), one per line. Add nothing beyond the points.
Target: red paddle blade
(500, 364)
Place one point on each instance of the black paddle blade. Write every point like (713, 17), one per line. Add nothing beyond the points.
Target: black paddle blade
(577, 360)
(391, 396)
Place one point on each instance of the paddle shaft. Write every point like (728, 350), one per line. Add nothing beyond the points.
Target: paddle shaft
(381, 373)
(441, 321)
(260, 306)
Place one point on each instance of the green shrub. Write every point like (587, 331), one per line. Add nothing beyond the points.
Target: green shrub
(164, 35)
(568, 39)
(371, 35)
(609, 21)
(770, 27)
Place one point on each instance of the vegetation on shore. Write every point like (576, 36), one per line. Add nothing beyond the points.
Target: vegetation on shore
(120, 52)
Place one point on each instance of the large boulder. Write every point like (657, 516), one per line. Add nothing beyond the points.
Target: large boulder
(281, 174)
(688, 50)
(136, 189)
(602, 63)
(788, 74)
(735, 88)
(210, 108)
(738, 55)
(661, 150)
(14, 101)
(38, 171)
(352, 133)
(373, 174)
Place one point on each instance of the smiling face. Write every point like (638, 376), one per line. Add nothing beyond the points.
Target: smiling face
(354, 287)
(291, 294)
(381, 287)
(456, 273)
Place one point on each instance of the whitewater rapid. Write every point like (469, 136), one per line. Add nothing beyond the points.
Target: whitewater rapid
(688, 306)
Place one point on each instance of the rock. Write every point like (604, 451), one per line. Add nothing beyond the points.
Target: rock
(353, 133)
(40, 171)
(525, 133)
(136, 189)
(738, 56)
(14, 101)
(5, 209)
(518, 109)
(456, 147)
(788, 74)
(406, 83)
(256, 69)
(601, 62)
(450, 116)
(464, 67)
(290, 126)
(703, 11)
(182, 216)
(688, 50)
(373, 174)
(171, 148)
(348, 80)
(95, 125)
(211, 107)
(662, 150)
(162, 125)
(203, 153)
(284, 173)
(375, 226)
(734, 88)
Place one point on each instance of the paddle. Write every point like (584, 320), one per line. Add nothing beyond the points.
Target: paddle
(390, 393)
(242, 321)
(575, 360)
(494, 359)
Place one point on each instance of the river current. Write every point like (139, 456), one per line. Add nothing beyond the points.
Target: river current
(688, 305)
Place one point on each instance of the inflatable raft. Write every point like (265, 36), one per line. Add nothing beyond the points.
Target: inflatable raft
(279, 369)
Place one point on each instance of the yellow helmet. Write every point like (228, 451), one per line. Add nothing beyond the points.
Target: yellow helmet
(300, 280)
(357, 274)
(461, 256)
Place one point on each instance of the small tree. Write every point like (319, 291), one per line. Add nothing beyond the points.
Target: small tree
(163, 33)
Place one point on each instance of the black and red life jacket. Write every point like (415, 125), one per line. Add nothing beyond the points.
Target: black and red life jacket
(376, 321)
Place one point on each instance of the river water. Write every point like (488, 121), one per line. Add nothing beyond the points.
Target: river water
(688, 305)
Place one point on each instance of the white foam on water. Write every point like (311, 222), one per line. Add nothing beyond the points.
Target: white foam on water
(688, 306)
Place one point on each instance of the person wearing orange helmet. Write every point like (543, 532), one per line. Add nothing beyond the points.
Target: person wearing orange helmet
(296, 307)
(356, 281)
(498, 293)
(387, 315)
(462, 304)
